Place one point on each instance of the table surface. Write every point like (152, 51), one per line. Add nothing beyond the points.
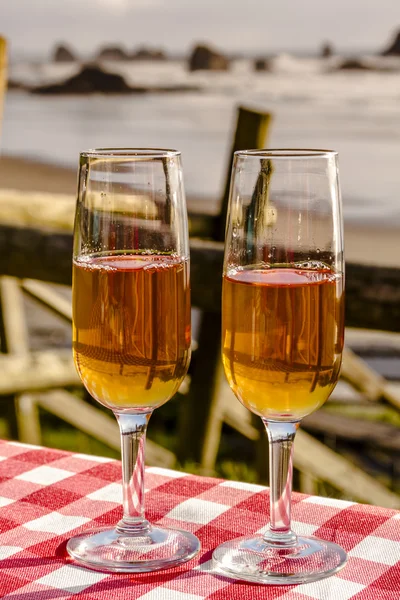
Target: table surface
(48, 495)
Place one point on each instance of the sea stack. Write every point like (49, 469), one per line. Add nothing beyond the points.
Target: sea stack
(205, 58)
(91, 79)
(112, 53)
(394, 48)
(63, 54)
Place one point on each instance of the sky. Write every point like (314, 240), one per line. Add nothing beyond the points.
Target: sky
(253, 26)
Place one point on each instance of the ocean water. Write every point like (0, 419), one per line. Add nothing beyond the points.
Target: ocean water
(355, 113)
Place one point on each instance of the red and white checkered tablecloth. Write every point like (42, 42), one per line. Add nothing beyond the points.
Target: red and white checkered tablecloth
(48, 495)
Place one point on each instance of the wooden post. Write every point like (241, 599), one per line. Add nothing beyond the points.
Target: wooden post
(316, 460)
(201, 417)
(27, 425)
(45, 295)
(251, 132)
(308, 484)
(3, 74)
(195, 412)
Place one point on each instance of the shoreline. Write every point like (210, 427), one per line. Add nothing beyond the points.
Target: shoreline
(364, 244)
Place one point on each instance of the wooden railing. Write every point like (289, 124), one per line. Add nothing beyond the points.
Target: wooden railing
(3, 73)
(36, 247)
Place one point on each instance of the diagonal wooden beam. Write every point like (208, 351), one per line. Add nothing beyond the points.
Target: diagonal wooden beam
(94, 422)
(362, 377)
(48, 297)
(316, 459)
(17, 344)
(37, 371)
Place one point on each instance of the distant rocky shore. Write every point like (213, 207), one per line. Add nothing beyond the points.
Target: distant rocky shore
(94, 79)
(99, 76)
(63, 53)
(201, 56)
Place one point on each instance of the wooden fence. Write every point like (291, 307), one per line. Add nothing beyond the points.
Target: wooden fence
(36, 247)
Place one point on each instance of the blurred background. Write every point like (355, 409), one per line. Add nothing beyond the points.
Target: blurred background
(318, 69)
(116, 73)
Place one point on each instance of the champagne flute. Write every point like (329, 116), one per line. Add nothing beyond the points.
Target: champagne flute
(131, 329)
(282, 334)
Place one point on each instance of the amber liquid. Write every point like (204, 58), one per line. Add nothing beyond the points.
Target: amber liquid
(131, 328)
(282, 338)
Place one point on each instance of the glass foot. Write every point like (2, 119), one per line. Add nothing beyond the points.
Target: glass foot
(158, 548)
(254, 559)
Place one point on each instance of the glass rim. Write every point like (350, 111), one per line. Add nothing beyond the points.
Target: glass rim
(293, 153)
(131, 153)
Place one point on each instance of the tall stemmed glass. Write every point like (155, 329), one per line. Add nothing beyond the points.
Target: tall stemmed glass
(131, 329)
(282, 334)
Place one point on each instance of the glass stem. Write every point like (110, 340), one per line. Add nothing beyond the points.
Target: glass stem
(281, 438)
(133, 429)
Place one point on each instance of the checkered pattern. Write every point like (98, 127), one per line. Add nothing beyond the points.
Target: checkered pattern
(48, 495)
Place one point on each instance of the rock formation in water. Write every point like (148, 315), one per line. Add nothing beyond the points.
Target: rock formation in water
(327, 50)
(394, 48)
(13, 84)
(92, 79)
(353, 64)
(261, 64)
(204, 58)
(112, 53)
(144, 53)
(89, 80)
(63, 54)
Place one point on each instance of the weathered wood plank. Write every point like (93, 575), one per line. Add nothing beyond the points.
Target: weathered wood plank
(310, 456)
(12, 305)
(206, 258)
(382, 435)
(47, 296)
(3, 74)
(202, 225)
(28, 419)
(224, 408)
(195, 412)
(202, 431)
(308, 484)
(357, 372)
(55, 212)
(251, 132)
(94, 422)
(29, 253)
(47, 256)
(237, 416)
(17, 344)
(314, 458)
(373, 297)
(41, 210)
(37, 371)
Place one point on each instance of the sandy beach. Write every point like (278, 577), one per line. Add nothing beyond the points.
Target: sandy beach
(31, 176)
(364, 244)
